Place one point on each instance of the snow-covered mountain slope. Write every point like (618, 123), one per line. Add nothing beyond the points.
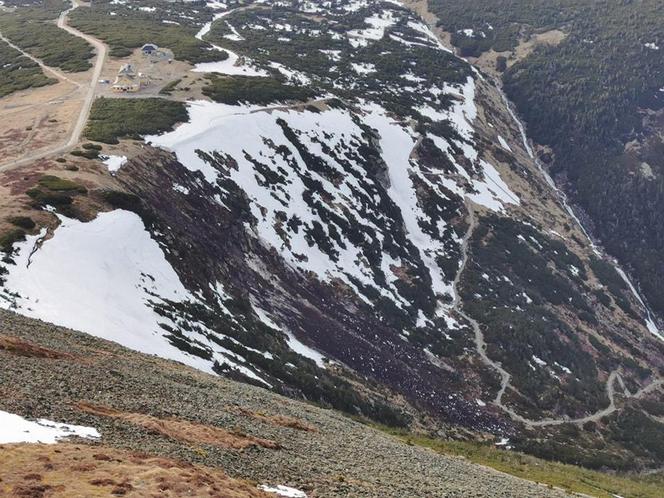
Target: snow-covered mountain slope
(101, 277)
(357, 220)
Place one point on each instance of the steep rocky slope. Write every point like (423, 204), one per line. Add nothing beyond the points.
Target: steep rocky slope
(593, 95)
(169, 428)
(352, 215)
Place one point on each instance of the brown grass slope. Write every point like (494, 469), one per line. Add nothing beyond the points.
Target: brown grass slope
(68, 470)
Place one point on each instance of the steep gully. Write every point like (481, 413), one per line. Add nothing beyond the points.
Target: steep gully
(480, 342)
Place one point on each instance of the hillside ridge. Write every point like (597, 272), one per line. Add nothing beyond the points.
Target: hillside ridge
(335, 457)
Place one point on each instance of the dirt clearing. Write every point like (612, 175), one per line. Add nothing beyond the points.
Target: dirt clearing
(37, 118)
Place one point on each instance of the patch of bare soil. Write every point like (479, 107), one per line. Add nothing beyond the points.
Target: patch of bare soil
(487, 61)
(67, 470)
(183, 430)
(421, 8)
(277, 420)
(24, 348)
(37, 118)
(525, 48)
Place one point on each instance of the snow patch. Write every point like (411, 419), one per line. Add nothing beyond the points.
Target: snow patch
(232, 130)
(397, 143)
(114, 163)
(283, 491)
(293, 343)
(650, 323)
(334, 55)
(378, 22)
(426, 31)
(563, 368)
(232, 65)
(504, 144)
(16, 429)
(539, 361)
(293, 76)
(504, 443)
(363, 68)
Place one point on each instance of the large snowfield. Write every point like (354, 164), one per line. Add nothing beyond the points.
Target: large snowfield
(98, 277)
(249, 133)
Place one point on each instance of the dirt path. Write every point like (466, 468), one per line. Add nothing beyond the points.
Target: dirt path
(47, 69)
(505, 376)
(77, 130)
(101, 49)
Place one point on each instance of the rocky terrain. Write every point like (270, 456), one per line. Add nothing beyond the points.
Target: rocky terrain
(328, 204)
(156, 415)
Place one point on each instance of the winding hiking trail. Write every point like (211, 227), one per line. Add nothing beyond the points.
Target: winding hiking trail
(77, 130)
(505, 376)
(420, 7)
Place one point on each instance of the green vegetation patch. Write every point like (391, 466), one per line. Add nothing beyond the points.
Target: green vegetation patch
(170, 87)
(58, 184)
(568, 477)
(17, 72)
(638, 432)
(10, 238)
(90, 151)
(585, 99)
(480, 25)
(24, 222)
(513, 277)
(123, 200)
(88, 154)
(43, 198)
(607, 275)
(118, 199)
(112, 119)
(38, 10)
(254, 90)
(56, 192)
(45, 41)
(125, 33)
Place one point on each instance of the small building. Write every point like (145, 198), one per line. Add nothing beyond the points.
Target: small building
(149, 49)
(126, 85)
(127, 80)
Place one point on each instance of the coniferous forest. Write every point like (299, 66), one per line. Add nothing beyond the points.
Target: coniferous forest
(597, 100)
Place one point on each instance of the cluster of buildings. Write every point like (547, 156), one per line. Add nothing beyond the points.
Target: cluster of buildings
(128, 79)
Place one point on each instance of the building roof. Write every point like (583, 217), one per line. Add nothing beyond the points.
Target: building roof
(122, 80)
(127, 70)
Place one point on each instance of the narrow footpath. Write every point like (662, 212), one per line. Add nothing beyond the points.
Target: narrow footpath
(505, 376)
